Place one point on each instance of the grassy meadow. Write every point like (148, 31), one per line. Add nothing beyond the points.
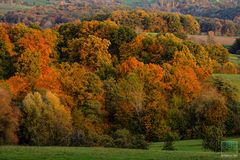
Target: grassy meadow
(234, 58)
(4, 8)
(186, 150)
(232, 78)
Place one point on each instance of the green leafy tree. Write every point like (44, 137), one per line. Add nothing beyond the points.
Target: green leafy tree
(231, 94)
(212, 138)
(46, 121)
(119, 37)
(6, 62)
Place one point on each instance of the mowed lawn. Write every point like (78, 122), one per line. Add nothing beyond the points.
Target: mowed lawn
(186, 150)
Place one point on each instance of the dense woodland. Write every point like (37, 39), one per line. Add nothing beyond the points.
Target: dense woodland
(100, 83)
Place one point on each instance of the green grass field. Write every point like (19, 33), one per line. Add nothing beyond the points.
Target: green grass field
(186, 150)
(135, 3)
(232, 78)
(234, 58)
(7, 7)
(41, 2)
(4, 8)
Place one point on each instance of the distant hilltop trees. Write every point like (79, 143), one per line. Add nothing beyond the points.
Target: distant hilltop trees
(175, 3)
(11, 1)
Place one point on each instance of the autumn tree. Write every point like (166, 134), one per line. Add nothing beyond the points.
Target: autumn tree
(66, 32)
(183, 76)
(230, 92)
(6, 53)
(201, 55)
(101, 29)
(75, 33)
(217, 52)
(171, 44)
(84, 91)
(82, 85)
(210, 112)
(210, 109)
(9, 118)
(36, 48)
(190, 24)
(18, 86)
(50, 80)
(6, 62)
(157, 24)
(174, 23)
(119, 37)
(144, 47)
(141, 105)
(230, 68)
(94, 52)
(16, 32)
(130, 113)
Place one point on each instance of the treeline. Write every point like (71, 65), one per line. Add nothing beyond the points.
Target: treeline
(159, 22)
(219, 26)
(97, 83)
(139, 19)
(222, 11)
(174, 23)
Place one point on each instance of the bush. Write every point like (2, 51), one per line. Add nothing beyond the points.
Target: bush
(80, 138)
(169, 139)
(138, 142)
(123, 139)
(106, 141)
(212, 138)
(230, 68)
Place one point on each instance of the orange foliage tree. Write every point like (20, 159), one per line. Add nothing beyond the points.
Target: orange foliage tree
(9, 117)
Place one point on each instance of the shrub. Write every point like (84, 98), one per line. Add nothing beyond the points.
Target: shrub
(138, 142)
(106, 141)
(87, 131)
(80, 138)
(212, 138)
(124, 139)
(169, 138)
(230, 68)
